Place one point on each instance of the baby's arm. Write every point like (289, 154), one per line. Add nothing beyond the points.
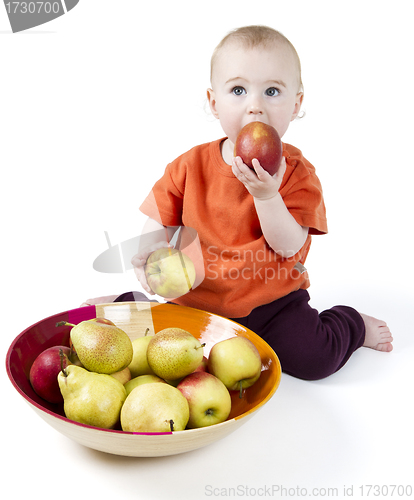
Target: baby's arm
(281, 231)
(154, 235)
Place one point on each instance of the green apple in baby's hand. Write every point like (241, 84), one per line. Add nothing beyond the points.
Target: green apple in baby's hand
(236, 362)
(169, 273)
(208, 399)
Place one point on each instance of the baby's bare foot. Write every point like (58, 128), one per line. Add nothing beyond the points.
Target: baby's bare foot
(377, 334)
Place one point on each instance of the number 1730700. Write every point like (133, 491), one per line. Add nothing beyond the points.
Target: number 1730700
(33, 7)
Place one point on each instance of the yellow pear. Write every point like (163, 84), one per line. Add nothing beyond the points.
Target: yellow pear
(141, 379)
(154, 407)
(91, 398)
(139, 364)
(174, 353)
(101, 347)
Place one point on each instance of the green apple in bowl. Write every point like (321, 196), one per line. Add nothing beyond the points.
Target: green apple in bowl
(208, 399)
(170, 273)
(236, 362)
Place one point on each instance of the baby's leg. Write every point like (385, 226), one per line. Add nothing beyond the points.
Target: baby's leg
(312, 345)
(377, 334)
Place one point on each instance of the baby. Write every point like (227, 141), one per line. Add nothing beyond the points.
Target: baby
(254, 229)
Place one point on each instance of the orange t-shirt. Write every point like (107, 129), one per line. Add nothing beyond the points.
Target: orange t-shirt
(198, 190)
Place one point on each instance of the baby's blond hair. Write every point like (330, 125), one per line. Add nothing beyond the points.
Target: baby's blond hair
(256, 36)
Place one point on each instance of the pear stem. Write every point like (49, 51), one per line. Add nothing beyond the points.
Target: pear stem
(241, 389)
(61, 363)
(146, 332)
(64, 323)
(172, 425)
(200, 346)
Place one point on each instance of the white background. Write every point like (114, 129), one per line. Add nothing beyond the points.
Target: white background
(93, 106)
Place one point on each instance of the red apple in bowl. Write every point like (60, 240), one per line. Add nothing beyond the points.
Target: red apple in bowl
(261, 141)
(208, 399)
(203, 366)
(44, 371)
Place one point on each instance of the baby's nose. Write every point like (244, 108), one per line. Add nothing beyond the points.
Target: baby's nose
(254, 107)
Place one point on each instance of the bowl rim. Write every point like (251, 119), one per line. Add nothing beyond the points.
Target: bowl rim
(85, 311)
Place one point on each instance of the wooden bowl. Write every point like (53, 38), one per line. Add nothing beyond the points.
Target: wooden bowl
(134, 318)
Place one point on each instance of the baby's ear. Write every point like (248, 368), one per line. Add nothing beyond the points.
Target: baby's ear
(298, 105)
(211, 97)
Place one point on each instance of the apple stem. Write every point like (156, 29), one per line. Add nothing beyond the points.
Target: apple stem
(64, 323)
(241, 390)
(61, 363)
(172, 425)
(146, 332)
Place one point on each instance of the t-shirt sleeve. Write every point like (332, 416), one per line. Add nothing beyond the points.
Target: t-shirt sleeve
(302, 193)
(165, 201)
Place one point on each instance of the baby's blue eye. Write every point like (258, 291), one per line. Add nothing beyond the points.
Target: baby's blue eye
(272, 91)
(238, 91)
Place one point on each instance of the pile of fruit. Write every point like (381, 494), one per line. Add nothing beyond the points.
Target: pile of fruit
(155, 383)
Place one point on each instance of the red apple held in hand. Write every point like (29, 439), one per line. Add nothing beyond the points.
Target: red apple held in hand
(208, 399)
(260, 141)
(44, 371)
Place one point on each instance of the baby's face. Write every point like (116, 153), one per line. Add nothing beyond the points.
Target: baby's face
(254, 85)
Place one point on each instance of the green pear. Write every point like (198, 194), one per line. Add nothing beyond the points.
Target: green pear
(91, 398)
(174, 353)
(141, 379)
(154, 408)
(101, 347)
(139, 364)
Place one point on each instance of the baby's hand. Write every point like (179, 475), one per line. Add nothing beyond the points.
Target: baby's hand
(259, 182)
(139, 260)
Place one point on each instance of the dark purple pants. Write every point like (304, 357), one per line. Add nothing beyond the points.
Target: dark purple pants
(309, 345)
